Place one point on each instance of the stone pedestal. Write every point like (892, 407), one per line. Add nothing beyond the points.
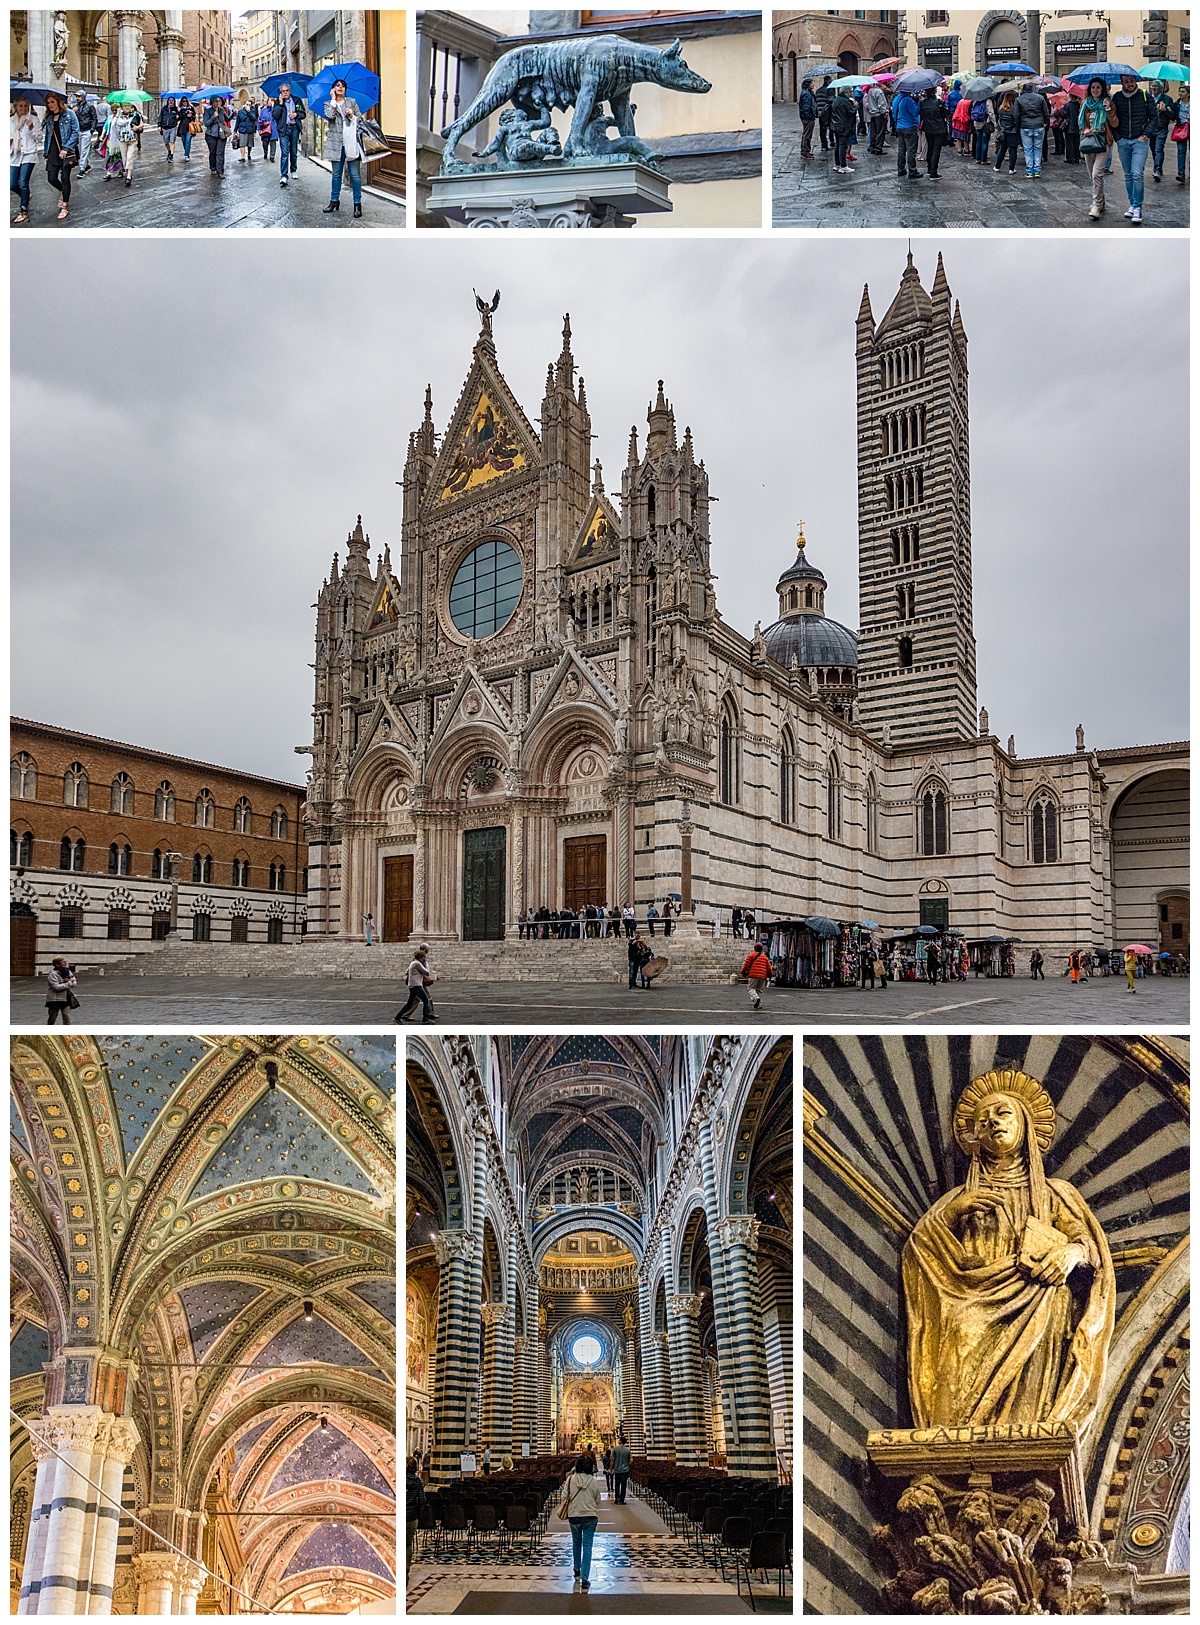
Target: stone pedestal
(986, 1520)
(684, 925)
(561, 196)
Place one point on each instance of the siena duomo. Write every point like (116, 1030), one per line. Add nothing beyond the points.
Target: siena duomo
(544, 705)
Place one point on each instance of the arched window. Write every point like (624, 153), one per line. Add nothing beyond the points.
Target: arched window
(164, 803)
(933, 831)
(730, 787)
(787, 778)
(72, 854)
(22, 777)
(201, 927)
(206, 810)
(833, 799)
(119, 859)
(241, 816)
(121, 797)
(20, 849)
(277, 875)
(872, 814)
(279, 824)
(792, 599)
(202, 868)
(75, 786)
(160, 869)
(608, 604)
(1043, 829)
(904, 652)
(241, 871)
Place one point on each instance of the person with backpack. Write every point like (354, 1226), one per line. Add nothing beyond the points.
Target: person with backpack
(1033, 120)
(875, 107)
(823, 97)
(187, 123)
(758, 972)
(1164, 117)
(982, 126)
(1008, 135)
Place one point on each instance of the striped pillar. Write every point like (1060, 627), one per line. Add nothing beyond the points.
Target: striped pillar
(495, 1422)
(474, 1433)
(456, 1252)
(777, 1337)
(520, 1415)
(76, 1432)
(545, 1420)
(664, 1429)
(39, 1519)
(687, 1381)
(532, 1389)
(633, 1390)
(119, 1440)
(751, 1452)
(720, 1289)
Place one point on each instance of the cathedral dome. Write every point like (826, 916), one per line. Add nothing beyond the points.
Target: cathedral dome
(803, 635)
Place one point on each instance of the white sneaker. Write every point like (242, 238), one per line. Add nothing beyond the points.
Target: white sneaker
(1129, 214)
(1135, 216)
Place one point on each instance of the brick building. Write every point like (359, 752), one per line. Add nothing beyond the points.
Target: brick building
(207, 48)
(800, 39)
(108, 841)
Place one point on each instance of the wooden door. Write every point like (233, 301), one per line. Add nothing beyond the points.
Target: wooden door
(397, 899)
(483, 885)
(23, 945)
(585, 870)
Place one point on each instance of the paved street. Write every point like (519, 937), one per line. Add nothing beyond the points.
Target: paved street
(228, 1003)
(966, 194)
(187, 193)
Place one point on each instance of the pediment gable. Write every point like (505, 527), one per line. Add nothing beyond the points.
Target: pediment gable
(573, 681)
(473, 703)
(385, 726)
(489, 438)
(598, 537)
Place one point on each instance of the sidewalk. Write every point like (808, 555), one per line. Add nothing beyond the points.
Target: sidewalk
(187, 194)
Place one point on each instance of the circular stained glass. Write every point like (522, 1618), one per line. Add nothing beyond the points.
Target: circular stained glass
(586, 1350)
(485, 589)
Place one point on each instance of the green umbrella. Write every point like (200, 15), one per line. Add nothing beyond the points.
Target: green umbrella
(122, 98)
(1165, 70)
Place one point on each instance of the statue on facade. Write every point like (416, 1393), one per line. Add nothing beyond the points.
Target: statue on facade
(62, 38)
(141, 66)
(1007, 1279)
(581, 73)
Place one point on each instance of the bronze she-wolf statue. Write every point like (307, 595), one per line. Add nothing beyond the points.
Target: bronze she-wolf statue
(579, 73)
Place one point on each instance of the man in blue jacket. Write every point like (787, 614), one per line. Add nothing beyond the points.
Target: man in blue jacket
(807, 107)
(289, 116)
(906, 115)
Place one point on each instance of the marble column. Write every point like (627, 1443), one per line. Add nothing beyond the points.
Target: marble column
(751, 1451)
(520, 1416)
(633, 1393)
(191, 1583)
(545, 1425)
(455, 1251)
(158, 1575)
(40, 47)
(41, 1442)
(119, 1441)
(170, 60)
(75, 1431)
(687, 1386)
(129, 35)
(720, 1295)
(664, 1421)
(496, 1421)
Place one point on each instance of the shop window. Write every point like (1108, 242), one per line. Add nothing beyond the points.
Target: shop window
(201, 927)
(118, 924)
(274, 930)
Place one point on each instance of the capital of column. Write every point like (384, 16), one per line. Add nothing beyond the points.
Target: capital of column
(660, 1340)
(687, 1304)
(450, 1244)
(73, 1427)
(162, 1568)
(520, 1344)
(739, 1230)
(496, 1314)
(167, 37)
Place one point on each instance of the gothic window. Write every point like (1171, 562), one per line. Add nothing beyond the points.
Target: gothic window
(833, 799)
(651, 613)
(904, 600)
(608, 604)
(70, 922)
(279, 824)
(241, 816)
(118, 924)
(64, 852)
(872, 814)
(75, 786)
(158, 865)
(241, 871)
(277, 877)
(650, 507)
(904, 652)
(274, 930)
(201, 927)
(933, 835)
(164, 803)
(72, 855)
(119, 859)
(1043, 829)
(206, 810)
(202, 869)
(728, 765)
(20, 849)
(121, 795)
(787, 778)
(22, 777)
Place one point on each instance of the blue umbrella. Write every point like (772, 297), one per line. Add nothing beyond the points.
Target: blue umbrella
(916, 81)
(35, 95)
(1010, 67)
(206, 92)
(823, 927)
(362, 86)
(298, 81)
(1111, 72)
(871, 925)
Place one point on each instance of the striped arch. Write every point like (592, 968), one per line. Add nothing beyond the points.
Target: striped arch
(375, 779)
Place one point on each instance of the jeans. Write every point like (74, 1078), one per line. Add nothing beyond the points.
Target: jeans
(582, 1532)
(1160, 150)
(216, 153)
(979, 145)
(1133, 155)
(1181, 148)
(1032, 141)
(18, 182)
(289, 147)
(622, 1483)
(1007, 143)
(85, 147)
(878, 127)
(186, 137)
(416, 995)
(934, 144)
(906, 151)
(58, 174)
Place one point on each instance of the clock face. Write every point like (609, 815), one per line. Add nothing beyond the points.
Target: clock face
(485, 589)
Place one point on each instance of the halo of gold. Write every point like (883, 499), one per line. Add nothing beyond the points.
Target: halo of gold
(1021, 1087)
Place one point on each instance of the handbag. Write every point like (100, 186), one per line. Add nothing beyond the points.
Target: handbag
(1179, 133)
(72, 1001)
(1093, 141)
(566, 1506)
(372, 140)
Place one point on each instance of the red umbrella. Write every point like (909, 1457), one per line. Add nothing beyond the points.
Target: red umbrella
(887, 62)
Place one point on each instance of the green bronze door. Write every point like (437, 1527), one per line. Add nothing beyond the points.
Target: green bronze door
(483, 885)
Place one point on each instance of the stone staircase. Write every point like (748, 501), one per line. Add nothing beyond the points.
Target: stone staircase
(694, 960)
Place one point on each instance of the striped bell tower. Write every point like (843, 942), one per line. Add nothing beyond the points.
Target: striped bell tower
(916, 644)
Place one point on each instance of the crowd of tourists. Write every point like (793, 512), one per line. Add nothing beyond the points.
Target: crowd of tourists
(76, 127)
(1077, 125)
(593, 920)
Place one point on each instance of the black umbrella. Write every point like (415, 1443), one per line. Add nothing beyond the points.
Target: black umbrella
(916, 81)
(823, 926)
(35, 95)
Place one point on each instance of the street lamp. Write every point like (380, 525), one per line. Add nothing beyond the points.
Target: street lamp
(174, 859)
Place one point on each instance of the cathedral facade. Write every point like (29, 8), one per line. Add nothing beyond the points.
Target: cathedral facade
(541, 704)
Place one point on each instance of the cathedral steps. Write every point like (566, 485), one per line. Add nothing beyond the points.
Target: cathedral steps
(698, 960)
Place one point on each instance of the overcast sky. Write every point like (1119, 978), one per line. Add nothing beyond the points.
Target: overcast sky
(169, 535)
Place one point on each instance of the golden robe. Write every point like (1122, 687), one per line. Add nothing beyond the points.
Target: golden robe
(988, 1345)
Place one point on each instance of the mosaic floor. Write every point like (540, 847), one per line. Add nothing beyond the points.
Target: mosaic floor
(629, 1561)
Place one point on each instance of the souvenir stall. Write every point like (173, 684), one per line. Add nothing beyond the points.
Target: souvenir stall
(993, 956)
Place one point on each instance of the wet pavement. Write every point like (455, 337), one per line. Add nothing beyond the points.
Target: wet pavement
(965, 194)
(187, 193)
(229, 1003)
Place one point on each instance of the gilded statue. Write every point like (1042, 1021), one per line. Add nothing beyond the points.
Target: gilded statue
(1008, 1280)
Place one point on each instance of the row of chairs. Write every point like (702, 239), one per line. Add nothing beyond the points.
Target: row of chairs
(500, 1519)
(744, 1524)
